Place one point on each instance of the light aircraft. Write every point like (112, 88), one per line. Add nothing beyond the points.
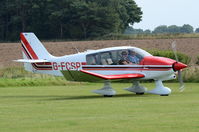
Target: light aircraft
(103, 65)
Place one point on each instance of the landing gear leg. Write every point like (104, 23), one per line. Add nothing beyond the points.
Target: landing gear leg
(136, 88)
(160, 89)
(107, 90)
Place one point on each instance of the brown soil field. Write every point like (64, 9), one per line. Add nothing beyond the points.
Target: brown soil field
(12, 51)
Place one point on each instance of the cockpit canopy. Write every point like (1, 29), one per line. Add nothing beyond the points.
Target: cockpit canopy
(125, 56)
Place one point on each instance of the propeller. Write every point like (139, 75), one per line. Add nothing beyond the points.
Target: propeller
(180, 79)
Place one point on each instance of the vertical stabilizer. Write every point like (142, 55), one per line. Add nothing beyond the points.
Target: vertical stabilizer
(33, 50)
(33, 47)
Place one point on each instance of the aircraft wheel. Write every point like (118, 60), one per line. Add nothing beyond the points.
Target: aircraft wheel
(108, 95)
(139, 93)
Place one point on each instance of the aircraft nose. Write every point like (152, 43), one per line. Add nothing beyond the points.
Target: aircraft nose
(178, 66)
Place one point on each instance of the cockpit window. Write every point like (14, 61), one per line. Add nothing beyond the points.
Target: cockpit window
(130, 56)
(92, 59)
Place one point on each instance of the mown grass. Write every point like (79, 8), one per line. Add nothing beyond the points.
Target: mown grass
(17, 76)
(56, 81)
(74, 109)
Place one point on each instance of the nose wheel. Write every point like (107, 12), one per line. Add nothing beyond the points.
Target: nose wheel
(160, 89)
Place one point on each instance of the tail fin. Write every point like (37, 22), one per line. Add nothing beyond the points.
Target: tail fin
(33, 46)
(34, 53)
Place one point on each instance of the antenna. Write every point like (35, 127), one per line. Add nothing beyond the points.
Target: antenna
(75, 48)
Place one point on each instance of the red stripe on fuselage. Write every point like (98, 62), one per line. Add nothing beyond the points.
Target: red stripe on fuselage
(143, 68)
(130, 69)
(44, 63)
(83, 63)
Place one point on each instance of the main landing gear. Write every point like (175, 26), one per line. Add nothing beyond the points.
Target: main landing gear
(107, 90)
(136, 88)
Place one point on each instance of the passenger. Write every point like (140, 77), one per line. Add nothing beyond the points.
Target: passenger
(133, 58)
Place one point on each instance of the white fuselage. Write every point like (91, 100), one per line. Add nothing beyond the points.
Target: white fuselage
(77, 62)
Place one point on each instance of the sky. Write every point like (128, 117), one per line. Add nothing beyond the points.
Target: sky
(168, 12)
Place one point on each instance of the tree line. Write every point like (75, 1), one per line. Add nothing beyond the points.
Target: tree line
(163, 29)
(66, 19)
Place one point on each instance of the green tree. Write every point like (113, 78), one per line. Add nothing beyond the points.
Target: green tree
(173, 29)
(161, 29)
(131, 30)
(3, 20)
(147, 31)
(39, 21)
(90, 19)
(77, 19)
(59, 17)
(128, 11)
(186, 28)
(197, 30)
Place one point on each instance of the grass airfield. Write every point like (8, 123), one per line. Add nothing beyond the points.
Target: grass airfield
(74, 108)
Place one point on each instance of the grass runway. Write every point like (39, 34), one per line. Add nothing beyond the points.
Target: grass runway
(74, 108)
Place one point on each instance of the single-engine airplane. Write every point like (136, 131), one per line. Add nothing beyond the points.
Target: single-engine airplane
(108, 64)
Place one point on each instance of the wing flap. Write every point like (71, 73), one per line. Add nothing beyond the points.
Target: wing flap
(118, 76)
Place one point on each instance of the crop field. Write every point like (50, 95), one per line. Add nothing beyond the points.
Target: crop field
(74, 108)
(12, 51)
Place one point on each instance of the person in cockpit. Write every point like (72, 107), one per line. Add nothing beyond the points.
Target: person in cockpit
(133, 58)
(124, 59)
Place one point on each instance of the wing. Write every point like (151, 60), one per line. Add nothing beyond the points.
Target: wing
(118, 76)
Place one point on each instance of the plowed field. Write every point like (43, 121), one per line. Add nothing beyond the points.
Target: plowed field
(12, 51)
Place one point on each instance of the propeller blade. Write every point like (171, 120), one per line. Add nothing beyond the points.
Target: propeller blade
(181, 88)
(173, 45)
(180, 79)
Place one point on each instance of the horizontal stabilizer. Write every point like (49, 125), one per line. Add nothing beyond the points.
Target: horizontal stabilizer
(118, 76)
(30, 61)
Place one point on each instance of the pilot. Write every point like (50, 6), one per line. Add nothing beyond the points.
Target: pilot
(133, 58)
(125, 59)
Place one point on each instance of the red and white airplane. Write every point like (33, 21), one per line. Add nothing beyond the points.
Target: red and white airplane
(109, 64)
